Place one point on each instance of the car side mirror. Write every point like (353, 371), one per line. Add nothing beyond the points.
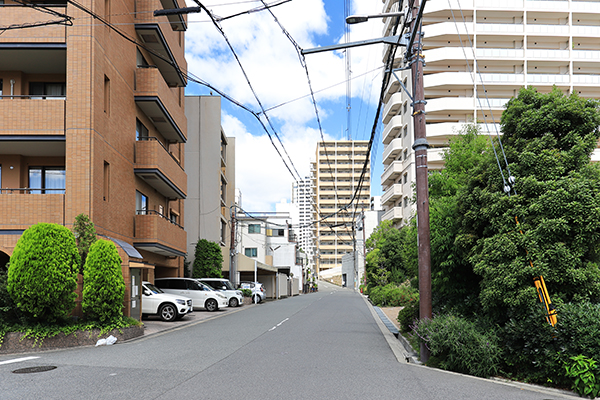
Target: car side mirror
(147, 292)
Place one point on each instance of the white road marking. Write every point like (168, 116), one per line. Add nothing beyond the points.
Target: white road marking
(17, 360)
(279, 324)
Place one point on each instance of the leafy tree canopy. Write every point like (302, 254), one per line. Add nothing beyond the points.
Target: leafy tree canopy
(85, 235)
(548, 140)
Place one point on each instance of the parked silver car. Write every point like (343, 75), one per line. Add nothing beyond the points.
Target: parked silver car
(235, 298)
(203, 297)
(258, 290)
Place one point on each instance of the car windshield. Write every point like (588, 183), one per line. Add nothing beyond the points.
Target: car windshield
(153, 288)
(228, 285)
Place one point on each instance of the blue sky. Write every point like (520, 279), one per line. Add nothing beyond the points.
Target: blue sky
(271, 64)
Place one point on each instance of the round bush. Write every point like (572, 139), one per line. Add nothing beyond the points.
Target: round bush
(42, 276)
(103, 286)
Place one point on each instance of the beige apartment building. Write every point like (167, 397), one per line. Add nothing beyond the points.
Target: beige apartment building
(210, 166)
(474, 66)
(92, 121)
(335, 175)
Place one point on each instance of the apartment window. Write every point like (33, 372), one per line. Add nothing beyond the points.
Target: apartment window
(251, 252)
(405, 154)
(106, 185)
(254, 228)
(405, 178)
(140, 60)
(405, 131)
(1, 2)
(276, 232)
(173, 216)
(406, 202)
(223, 191)
(405, 107)
(45, 90)
(161, 210)
(106, 95)
(47, 180)
(141, 203)
(141, 132)
(223, 231)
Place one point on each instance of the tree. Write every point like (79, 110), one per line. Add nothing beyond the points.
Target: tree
(103, 289)
(85, 236)
(42, 275)
(548, 140)
(208, 260)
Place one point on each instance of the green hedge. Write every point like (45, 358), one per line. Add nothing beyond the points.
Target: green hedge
(42, 275)
(103, 286)
(459, 345)
(392, 295)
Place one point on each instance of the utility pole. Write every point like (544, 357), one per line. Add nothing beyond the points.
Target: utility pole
(232, 271)
(414, 54)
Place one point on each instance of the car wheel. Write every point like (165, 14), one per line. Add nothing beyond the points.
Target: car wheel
(211, 305)
(167, 312)
(233, 302)
(256, 299)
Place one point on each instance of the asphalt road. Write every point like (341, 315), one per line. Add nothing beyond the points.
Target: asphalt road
(324, 345)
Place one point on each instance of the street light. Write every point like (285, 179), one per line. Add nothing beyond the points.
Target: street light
(420, 146)
(356, 19)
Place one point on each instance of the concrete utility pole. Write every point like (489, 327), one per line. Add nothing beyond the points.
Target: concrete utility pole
(232, 271)
(415, 56)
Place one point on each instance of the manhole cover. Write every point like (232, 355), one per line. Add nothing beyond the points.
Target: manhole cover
(32, 370)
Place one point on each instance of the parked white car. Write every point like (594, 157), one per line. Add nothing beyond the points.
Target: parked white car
(235, 298)
(258, 291)
(167, 306)
(203, 297)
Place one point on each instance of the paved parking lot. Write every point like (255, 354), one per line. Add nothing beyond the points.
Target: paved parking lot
(153, 324)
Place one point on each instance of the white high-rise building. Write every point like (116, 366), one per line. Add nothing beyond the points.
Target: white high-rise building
(302, 197)
(478, 54)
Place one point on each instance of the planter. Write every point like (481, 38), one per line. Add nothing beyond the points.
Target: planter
(13, 342)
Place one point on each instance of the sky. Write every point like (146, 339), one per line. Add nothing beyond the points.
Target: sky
(274, 79)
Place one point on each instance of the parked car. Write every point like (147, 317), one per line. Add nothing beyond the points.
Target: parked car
(234, 297)
(258, 291)
(203, 297)
(168, 307)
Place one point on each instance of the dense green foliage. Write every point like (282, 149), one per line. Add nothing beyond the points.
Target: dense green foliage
(457, 344)
(9, 313)
(208, 260)
(103, 286)
(586, 376)
(408, 316)
(42, 272)
(85, 235)
(484, 262)
(391, 256)
(392, 295)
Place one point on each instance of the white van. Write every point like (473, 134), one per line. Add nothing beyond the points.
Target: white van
(203, 297)
(235, 298)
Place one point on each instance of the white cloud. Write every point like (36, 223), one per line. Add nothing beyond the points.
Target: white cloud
(272, 66)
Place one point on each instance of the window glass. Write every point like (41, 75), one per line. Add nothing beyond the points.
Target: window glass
(141, 203)
(193, 285)
(53, 179)
(141, 132)
(179, 284)
(254, 228)
(250, 252)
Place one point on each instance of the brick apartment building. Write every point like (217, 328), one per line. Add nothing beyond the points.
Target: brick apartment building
(92, 121)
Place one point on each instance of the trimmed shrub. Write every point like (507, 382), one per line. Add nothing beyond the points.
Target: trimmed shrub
(457, 344)
(103, 286)
(42, 276)
(85, 235)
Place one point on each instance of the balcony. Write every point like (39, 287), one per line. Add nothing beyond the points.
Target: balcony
(586, 31)
(436, 6)
(499, 5)
(155, 165)
(18, 14)
(391, 173)
(392, 150)
(586, 55)
(549, 79)
(548, 54)
(160, 104)
(32, 118)
(392, 194)
(498, 54)
(441, 80)
(498, 28)
(546, 5)
(446, 30)
(585, 6)
(392, 108)
(394, 214)
(392, 129)
(553, 30)
(157, 234)
(164, 43)
(21, 209)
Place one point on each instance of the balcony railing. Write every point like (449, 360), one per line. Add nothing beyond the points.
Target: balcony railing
(29, 116)
(158, 234)
(21, 209)
(19, 14)
(159, 168)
